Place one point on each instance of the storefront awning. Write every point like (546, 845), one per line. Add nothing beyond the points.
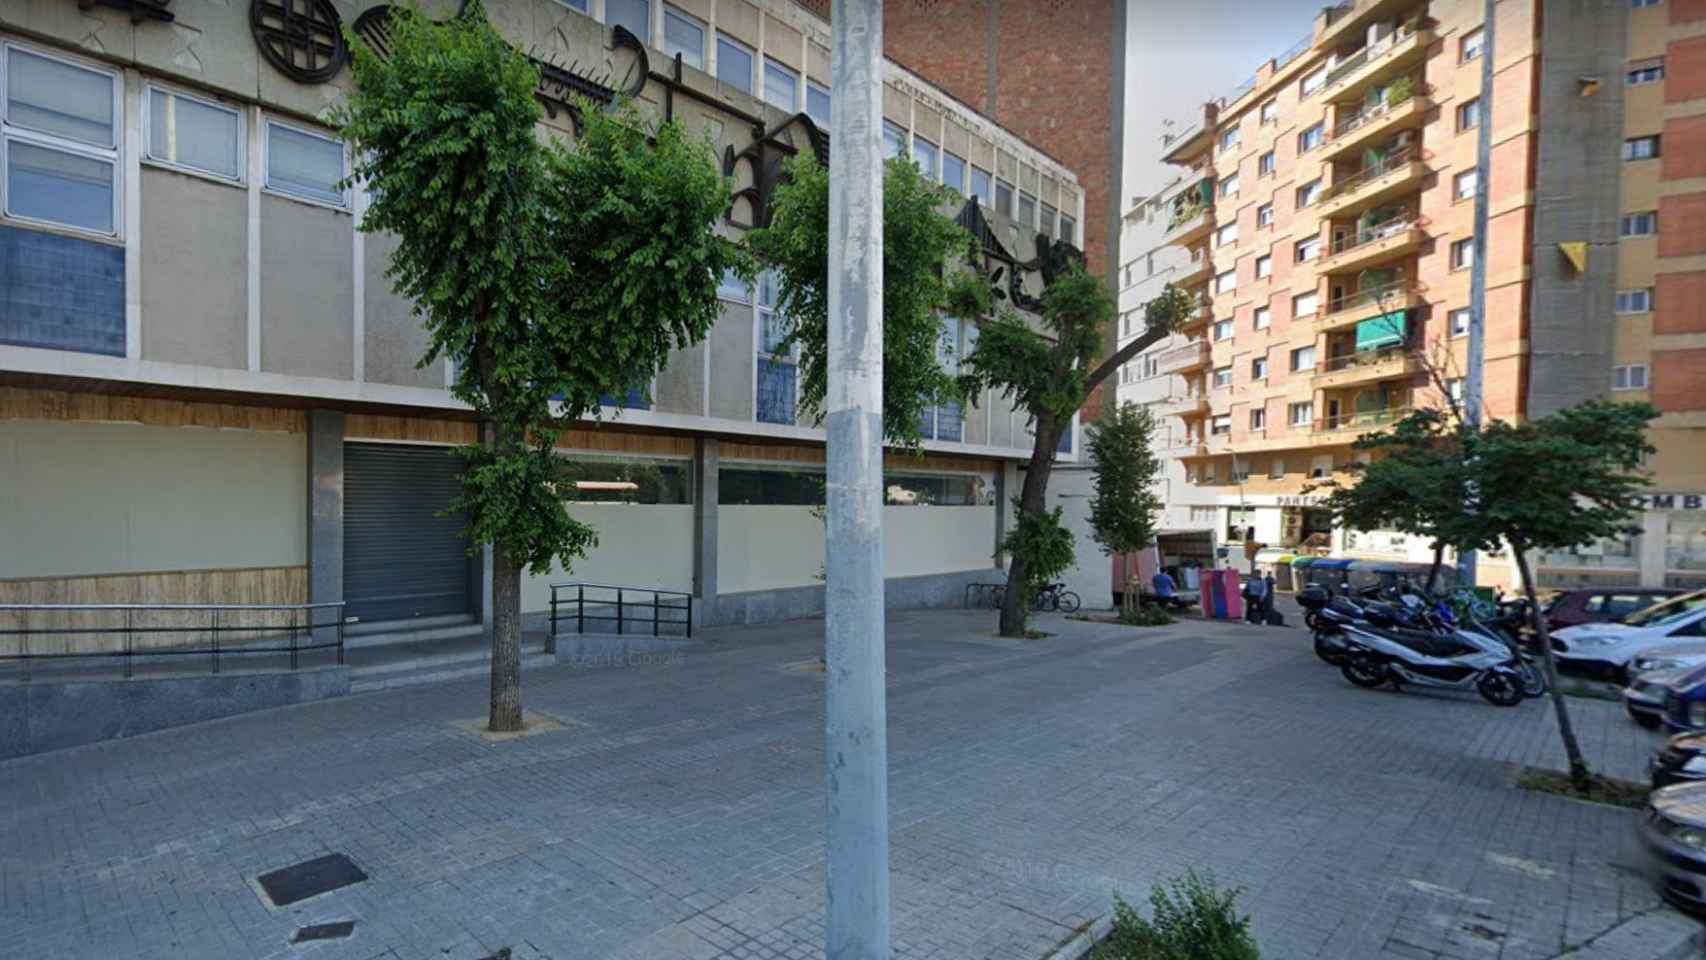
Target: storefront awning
(1383, 331)
(1332, 563)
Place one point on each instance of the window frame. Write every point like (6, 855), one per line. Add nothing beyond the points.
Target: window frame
(1457, 194)
(692, 21)
(1648, 217)
(1628, 373)
(1229, 187)
(1229, 326)
(1315, 309)
(58, 143)
(1226, 234)
(1633, 147)
(751, 62)
(759, 353)
(1644, 76)
(1019, 200)
(1298, 352)
(987, 197)
(1265, 215)
(1461, 254)
(1220, 377)
(794, 77)
(935, 156)
(1626, 299)
(950, 155)
(1467, 51)
(1305, 89)
(1451, 317)
(1268, 112)
(242, 177)
(812, 86)
(1316, 132)
(1313, 189)
(1311, 245)
(1012, 198)
(1259, 368)
(1264, 266)
(1306, 407)
(1266, 164)
(604, 10)
(1259, 315)
(267, 123)
(1464, 111)
(1230, 286)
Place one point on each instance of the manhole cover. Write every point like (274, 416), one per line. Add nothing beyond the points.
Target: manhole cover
(309, 879)
(324, 931)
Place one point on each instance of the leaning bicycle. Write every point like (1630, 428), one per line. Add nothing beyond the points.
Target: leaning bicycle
(1054, 597)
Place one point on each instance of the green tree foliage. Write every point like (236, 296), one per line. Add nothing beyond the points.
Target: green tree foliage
(1044, 541)
(1122, 514)
(922, 248)
(1193, 920)
(541, 271)
(1050, 373)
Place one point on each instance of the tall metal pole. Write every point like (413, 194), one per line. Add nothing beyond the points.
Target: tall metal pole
(1478, 269)
(856, 830)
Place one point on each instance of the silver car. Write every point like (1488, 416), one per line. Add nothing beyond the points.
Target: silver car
(1644, 697)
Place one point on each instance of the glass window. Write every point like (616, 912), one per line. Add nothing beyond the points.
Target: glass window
(1638, 4)
(1265, 164)
(1068, 229)
(769, 485)
(817, 104)
(1632, 377)
(1229, 186)
(1270, 112)
(1454, 389)
(580, 5)
(1302, 414)
(1305, 305)
(1047, 217)
(67, 173)
(1259, 368)
(734, 64)
(894, 141)
(1226, 233)
(1463, 185)
(1264, 266)
(1640, 224)
(1308, 194)
(1310, 138)
(781, 86)
(980, 186)
(1221, 425)
(924, 154)
(636, 15)
(1469, 115)
(1027, 212)
(1312, 82)
(1225, 281)
(1230, 138)
(1003, 196)
(59, 187)
(732, 287)
(1302, 358)
(1462, 253)
(1641, 148)
(685, 36)
(1471, 45)
(189, 132)
(777, 374)
(1641, 76)
(935, 490)
(1223, 329)
(1264, 318)
(954, 171)
(304, 164)
(597, 479)
(1459, 320)
(1307, 250)
(1639, 300)
(1265, 215)
(1223, 376)
(60, 99)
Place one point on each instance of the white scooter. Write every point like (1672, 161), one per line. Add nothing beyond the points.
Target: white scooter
(1377, 654)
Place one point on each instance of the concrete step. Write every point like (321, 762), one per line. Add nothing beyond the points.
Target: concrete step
(424, 630)
(439, 668)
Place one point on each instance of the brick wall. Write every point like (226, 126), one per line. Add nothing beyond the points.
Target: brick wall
(1679, 303)
(1682, 225)
(1685, 70)
(1687, 11)
(1679, 379)
(1684, 151)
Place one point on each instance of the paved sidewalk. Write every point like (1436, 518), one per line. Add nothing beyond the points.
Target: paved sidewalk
(678, 814)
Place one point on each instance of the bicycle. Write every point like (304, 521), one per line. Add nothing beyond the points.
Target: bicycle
(1055, 596)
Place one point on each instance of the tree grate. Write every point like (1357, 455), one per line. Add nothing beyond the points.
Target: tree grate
(310, 878)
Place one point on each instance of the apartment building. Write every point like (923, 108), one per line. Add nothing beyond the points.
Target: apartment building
(209, 393)
(1324, 220)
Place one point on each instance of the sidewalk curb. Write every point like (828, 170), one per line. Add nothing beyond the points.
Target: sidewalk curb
(1079, 945)
(1661, 935)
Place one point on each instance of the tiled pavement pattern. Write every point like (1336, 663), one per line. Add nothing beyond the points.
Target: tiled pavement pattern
(679, 816)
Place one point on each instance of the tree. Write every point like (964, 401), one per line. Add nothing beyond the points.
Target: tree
(1122, 513)
(922, 247)
(549, 277)
(1564, 480)
(1049, 373)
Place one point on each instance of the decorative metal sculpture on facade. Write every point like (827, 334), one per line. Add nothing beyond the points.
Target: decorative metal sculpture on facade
(304, 39)
(139, 10)
(763, 162)
(1054, 258)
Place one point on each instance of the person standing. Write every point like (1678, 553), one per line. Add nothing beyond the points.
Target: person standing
(1255, 600)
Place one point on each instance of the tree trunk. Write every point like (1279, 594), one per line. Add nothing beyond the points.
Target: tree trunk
(1031, 499)
(505, 716)
(1580, 776)
(1433, 571)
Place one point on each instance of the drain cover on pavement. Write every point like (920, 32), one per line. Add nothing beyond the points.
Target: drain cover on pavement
(324, 931)
(309, 879)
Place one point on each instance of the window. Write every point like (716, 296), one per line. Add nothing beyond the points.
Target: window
(1264, 318)
(636, 15)
(1047, 219)
(1463, 185)
(1027, 211)
(1259, 371)
(1226, 233)
(1302, 358)
(1311, 138)
(1229, 186)
(1454, 389)
(1225, 281)
(894, 141)
(1207, 472)
(304, 164)
(732, 287)
(1221, 425)
(1462, 253)
(924, 154)
(1632, 377)
(1471, 45)
(1459, 321)
(1638, 4)
(1223, 376)
(195, 134)
(781, 86)
(1308, 194)
(776, 370)
(1635, 301)
(1301, 414)
(1265, 164)
(1003, 196)
(60, 131)
(1069, 229)
(1312, 82)
(1264, 266)
(685, 36)
(646, 480)
(817, 104)
(1641, 76)
(1276, 468)
(580, 5)
(1265, 215)
(1641, 148)
(769, 484)
(954, 171)
(1270, 112)
(1469, 115)
(1231, 137)
(1307, 250)
(1223, 330)
(1305, 305)
(1642, 224)
(980, 187)
(734, 63)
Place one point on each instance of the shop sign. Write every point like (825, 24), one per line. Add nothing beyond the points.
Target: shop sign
(1673, 501)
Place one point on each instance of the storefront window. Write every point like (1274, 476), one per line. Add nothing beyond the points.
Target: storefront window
(1685, 545)
(770, 485)
(1620, 553)
(593, 479)
(936, 490)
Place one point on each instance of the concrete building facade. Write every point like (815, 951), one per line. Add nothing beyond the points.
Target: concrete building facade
(209, 393)
(1324, 220)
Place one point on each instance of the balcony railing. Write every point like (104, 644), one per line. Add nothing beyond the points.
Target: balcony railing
(1371, 114)
(1373, 51)
(1396, 292)
(1361, 421)
(1371, 172)
(1374, 234)
(1363, 358)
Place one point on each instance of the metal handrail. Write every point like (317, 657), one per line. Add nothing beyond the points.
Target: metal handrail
(1375, 234)
(581, 601)
(1367, 418)
(1371, 172)
(294, 630)
(1359, 358)
(1371, 114)
(1371, 295)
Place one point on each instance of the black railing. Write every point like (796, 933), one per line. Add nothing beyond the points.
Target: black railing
(637, 606)
(86, 631)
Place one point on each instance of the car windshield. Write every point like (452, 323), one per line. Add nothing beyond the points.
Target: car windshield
(1660, 614)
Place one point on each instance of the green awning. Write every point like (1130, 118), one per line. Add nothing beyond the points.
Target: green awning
(1384, 330)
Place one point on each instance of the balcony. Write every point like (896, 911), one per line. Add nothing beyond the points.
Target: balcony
(1191, 356)
(1353, 16)
(1353, 308)
(1367, 366)
(1374, 185)
(1189, 406)
(1189, 224)
(1354, 133)
(1199, 270)
(1346, 428)
(1380, 62)
(1372, 247)
(1184, 449)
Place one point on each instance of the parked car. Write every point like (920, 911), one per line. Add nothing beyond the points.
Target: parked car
(1682, 759)
(1644, 697)
(1670, 657)
(1604, 650)
(1673, 833)
(1572, 608)
(1685, 702)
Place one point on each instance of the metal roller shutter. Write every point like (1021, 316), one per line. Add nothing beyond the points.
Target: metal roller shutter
(401, 558)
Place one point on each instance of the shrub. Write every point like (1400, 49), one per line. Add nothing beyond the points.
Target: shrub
(1193, 920)
(1146, 615)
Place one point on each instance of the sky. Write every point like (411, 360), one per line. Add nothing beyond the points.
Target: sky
(1179, 55)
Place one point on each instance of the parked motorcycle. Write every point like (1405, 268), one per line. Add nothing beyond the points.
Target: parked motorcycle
(1378, 654)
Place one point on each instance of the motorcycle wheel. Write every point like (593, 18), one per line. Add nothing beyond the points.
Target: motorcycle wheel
(1533, 680)
(1363, 670)
(1327, 652)
(1500, 689)
(1067, 601)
